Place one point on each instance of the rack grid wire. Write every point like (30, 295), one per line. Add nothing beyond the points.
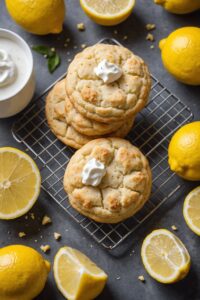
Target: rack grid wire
(153, 128)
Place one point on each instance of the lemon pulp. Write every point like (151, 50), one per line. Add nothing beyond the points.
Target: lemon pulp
(20, 183)
(77, 277)
(191, 210)
(108, 12)
(165, 257)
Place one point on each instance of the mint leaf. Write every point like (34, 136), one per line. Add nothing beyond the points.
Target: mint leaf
(53, 62)
(50, 54)
(41, 49)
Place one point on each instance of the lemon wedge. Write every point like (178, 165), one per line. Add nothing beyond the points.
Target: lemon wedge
(20, 183)
(76, 276)
(165, 257)
(191, 210)
(108, 12)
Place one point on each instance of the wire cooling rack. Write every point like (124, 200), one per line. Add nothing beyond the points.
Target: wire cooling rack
(164, 114)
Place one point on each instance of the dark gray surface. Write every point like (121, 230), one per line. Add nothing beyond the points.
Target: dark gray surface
(127, 266)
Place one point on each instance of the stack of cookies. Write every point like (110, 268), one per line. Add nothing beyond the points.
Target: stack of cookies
(106, 86)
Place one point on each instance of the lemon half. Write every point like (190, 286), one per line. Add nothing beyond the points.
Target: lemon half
(20, 183)
(108, 12)
(165, 257)
(191, 210)
(76, 276)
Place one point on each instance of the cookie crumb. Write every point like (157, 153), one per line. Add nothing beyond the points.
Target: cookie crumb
(150, 26)
(53, 49)
(69, 59)
(173, 227)
(36, 241)
(45, 55)
(141, 278)
(125, 37)
(150, 37)
(75, 47)
(21, 234)
(57, 236)
(118, 277)
(68, 40)
(46, 220)
(65, 45)
(26, 217)
(45, 248)
(32, 216)
(152, 47)
(81, 26)
(115, 31)
(83, 46)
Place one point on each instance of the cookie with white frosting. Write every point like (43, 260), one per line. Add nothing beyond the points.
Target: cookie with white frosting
(108, 180)
(108, 83)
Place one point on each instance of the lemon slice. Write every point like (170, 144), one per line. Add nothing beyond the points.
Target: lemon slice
(108, 12)
(191, 210)
(165, 257)
(76, 276)
(20, 183)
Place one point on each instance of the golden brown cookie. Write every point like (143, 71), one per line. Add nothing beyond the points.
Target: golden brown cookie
(123, 190)
(86, 126)
(63, 129)
(104, 102)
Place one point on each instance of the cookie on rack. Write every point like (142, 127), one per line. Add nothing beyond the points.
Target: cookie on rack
(57, 120)
(108, 180)
(108, 83)
(86, 126)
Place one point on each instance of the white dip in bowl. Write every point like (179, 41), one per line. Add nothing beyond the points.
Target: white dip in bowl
(17, 82)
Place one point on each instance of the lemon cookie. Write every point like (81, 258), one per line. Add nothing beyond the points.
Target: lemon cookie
(86, 126)
(60, 124)
(108, 180)
(108, 83)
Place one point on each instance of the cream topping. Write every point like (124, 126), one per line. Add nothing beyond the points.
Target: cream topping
(8, 70)
(107, 71)
(93, 172)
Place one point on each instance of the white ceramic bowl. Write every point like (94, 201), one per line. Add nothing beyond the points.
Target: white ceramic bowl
(17, 101)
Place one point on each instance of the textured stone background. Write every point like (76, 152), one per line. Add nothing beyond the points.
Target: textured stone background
(127, 267)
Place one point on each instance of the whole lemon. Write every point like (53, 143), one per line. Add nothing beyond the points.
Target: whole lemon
(23, 273)
(184, 151)
(38, 16)
(179, 6)
(181, 54)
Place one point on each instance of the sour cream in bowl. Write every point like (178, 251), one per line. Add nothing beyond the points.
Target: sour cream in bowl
(17, 81)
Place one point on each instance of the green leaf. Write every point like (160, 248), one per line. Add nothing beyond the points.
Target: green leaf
(44, 50)
(53, 62)
(41, 49)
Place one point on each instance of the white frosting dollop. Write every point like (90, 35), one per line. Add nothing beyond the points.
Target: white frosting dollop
(8, 70)
(93, 172)
(107, 71)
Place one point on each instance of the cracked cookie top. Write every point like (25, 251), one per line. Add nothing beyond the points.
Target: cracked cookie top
(105, 102)
(62, 120)
(122, 191)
